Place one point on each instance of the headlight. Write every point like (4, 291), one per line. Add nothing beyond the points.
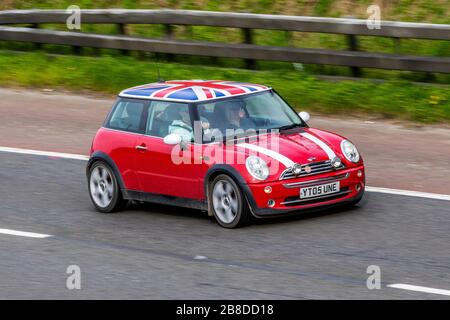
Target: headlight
(257, 167)
(349, 150)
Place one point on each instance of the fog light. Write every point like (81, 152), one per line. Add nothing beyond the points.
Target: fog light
(297, 169)
(359, 173)
(268, 189)
(336, 162)
(358, 187)
(270, 203)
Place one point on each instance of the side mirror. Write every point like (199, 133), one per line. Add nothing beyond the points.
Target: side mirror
(172, 139)
(305, 116)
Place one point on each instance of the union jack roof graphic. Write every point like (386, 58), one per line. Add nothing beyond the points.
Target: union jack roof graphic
(191, 90)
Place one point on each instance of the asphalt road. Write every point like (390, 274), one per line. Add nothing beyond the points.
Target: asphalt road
(159, 252)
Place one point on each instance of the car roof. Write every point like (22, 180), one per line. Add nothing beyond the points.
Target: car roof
(191, 90)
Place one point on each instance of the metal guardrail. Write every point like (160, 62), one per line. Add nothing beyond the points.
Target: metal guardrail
(247, 50)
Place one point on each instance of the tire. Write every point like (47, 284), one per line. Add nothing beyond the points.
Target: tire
(104, 189)
(228, 203)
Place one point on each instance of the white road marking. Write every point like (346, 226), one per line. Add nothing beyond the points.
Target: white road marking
(286, 161)
(408, 193)
(44, 153)
(419, 289)
(24, 234)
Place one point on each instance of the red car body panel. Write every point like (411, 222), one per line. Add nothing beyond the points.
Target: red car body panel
(158, 174)
(153, 170)
(121, 147)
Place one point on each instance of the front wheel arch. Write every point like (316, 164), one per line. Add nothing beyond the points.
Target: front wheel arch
(243, 215)
(228, 170)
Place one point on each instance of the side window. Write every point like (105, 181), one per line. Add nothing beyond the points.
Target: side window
(126, 116)
(169, 117)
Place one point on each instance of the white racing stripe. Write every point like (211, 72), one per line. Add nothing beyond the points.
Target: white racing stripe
(419, 289)
(408, 193)
(285, 161)
(330, 153)
(24, 234)
(45, 153)
(270, 153)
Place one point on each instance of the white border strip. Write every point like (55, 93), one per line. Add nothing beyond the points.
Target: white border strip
(286, 161)
(24, 234)
(408, 193)
(419, 289)
(45, 153)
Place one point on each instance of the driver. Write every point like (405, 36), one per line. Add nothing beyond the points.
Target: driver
(235, 116)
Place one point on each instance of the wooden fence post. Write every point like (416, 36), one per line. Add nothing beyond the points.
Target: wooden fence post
(352, 43)
(248, 39)
(353, 46)
(123, 31)
(37, 46)
(170, 36)
(76, 50)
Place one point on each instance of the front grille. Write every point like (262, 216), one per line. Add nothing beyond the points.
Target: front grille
(316, 168)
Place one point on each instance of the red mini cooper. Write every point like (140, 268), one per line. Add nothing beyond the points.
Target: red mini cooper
(236, 150)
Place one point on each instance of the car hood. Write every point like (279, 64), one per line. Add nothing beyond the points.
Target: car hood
(300, 147)
(303, 146)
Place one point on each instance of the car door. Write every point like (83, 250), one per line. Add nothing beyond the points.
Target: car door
(162, 168)
(119, 137)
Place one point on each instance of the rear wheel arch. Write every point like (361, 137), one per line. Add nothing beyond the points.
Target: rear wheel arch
(103, 184)
(101, 156)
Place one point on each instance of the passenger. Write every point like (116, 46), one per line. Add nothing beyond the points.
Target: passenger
(182, 126)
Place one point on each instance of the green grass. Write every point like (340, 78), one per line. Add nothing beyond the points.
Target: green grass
(110, 74)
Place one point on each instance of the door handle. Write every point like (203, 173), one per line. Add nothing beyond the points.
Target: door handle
(141, 147)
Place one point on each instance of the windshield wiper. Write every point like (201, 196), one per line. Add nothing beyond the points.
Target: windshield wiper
(241, 135)
(289, 126)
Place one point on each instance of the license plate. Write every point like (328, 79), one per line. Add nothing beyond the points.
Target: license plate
(320, 190)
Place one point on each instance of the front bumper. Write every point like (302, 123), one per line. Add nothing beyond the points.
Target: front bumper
(286, 193)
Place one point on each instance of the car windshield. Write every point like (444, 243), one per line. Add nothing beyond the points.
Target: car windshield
(252, 113)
